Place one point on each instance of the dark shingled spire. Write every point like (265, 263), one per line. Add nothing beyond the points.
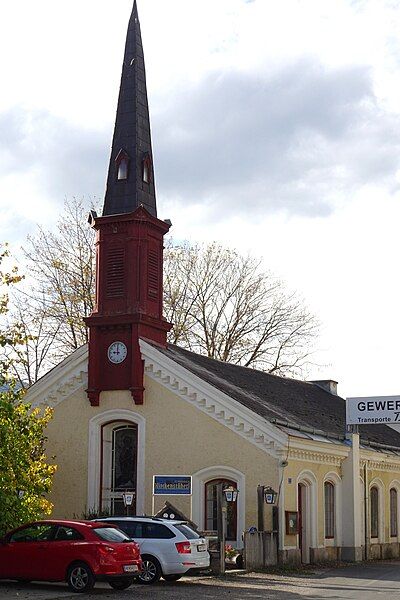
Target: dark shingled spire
(130, 180)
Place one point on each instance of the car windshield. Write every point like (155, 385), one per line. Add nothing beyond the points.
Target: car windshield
(111, 534)
(187, 532)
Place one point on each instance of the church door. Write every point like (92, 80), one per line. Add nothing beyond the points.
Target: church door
(119, 467)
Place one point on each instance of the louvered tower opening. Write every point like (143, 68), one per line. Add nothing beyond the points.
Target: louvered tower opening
(115, 282)
(153, 274)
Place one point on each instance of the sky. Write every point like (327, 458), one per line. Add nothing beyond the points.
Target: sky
(276, 131)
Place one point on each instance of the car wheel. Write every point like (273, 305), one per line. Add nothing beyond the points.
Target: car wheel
(120, 584)
(151, 570)
(80, 578)
(172, 577)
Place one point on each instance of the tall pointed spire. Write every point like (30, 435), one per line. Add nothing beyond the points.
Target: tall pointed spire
(129, 245)
(130, 180)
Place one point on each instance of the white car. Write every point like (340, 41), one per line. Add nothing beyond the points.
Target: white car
(169, 549)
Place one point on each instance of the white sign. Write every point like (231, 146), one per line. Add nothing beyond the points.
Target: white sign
(373, 410)
(128, 498)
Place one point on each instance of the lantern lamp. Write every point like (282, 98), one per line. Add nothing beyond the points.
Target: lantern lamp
(230, 493)
(270, 495)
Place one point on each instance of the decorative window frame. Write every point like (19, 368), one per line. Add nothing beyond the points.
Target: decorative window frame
(199, 480)
(378, 483)
(94, 455)
(395, 483)
(336, 481)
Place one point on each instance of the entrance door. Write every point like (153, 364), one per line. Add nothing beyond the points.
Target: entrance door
(300, 510)
(211, 524)
(119, 467)
(304, 522)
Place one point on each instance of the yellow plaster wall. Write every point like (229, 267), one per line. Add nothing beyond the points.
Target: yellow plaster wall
(179, 440)
(182, 440)
(387, 478)
(293, 472)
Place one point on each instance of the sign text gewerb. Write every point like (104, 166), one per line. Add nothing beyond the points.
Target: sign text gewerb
(373, 410)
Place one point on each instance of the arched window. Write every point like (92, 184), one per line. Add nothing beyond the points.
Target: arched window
(123, 170)
(329, 492)
(374, 507)
(119, 465)
(211, 509)
(393, 513)
(146, 168)
(122, 165)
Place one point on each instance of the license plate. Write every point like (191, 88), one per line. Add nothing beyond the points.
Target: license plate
(130, 568)
(201, 548)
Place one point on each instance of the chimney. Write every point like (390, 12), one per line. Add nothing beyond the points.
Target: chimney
(329, 385)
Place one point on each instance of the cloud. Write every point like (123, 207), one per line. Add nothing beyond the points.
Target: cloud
(300, 141)
(65, 160)
(296, 141)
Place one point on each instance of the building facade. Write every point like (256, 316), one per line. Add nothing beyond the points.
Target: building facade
(129, 406)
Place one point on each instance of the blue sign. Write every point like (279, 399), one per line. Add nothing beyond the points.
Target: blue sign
(171, 485)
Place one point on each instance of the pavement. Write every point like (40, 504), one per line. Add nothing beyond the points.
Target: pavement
(362, 582)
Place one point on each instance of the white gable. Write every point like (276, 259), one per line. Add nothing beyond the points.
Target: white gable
(62, 381)
(71, 375)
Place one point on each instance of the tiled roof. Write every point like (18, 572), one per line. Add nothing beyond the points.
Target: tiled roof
(278, 399)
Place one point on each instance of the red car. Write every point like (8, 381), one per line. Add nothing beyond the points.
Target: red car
(78, 552)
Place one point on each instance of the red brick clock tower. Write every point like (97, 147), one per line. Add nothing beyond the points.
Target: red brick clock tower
(129, 242)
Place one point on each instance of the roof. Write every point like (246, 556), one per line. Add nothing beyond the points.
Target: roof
(132, 136)
(287, 402)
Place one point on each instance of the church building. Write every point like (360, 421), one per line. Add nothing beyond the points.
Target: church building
(133, 412)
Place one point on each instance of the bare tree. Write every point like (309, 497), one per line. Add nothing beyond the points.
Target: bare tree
(224, 305)
(57, 294)
(39, 349)
(220, 303)
(61, 266)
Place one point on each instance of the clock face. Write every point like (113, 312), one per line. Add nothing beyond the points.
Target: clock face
(117, 352)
